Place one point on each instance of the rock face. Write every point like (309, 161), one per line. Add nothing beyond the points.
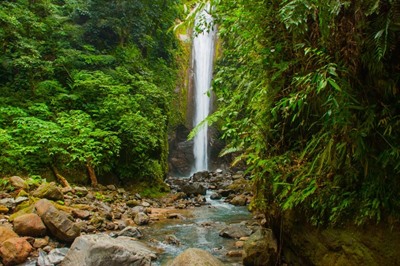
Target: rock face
(195, 257)
(49, 191)
(29, 225)
(57, 221)
(181, 156)
(260, 249)
(102, 250)
(15, 250)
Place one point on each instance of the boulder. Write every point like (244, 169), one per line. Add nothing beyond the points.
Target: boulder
(215, 196)
(18, 182)
(141, 219)
(195, 257)
(55, 257)
(130, 231)
(81, 214)
(202, 176)
(49, 191)
(6, 233)
(235, 231)
(193, 189)
(240, 200)
(29, 225)
(57, 221)
(15, 250)
(260, 249)
(103, 250)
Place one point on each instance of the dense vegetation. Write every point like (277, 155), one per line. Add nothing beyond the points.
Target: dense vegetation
(308, 97)
(86, 85)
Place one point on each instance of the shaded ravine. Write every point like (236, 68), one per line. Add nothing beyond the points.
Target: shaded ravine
(199, 229)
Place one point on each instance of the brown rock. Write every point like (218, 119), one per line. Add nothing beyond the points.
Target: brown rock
(57, 221)
(234, 253)
(29, 225)
(41, 242)
(3, 209)
(82, 214)
(15, 250)
(18, 182)
(6, 233)
(240, 200)
(195, 257)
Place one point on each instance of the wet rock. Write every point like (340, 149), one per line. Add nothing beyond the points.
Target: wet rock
(15, 250)
(49, 191)
(193, 189)
(235, 231)
(141, 219)
(104, 209)
(130, 231)
(240, 200)
(202, 176)
(18, 182)
(175, 216)
(215, 196)
(6, 233)
(195, 257)
(102, 250)
(260, 249)
(172, 240)
(234, 253)
(56, 221)
(225, 192)
(29, 225)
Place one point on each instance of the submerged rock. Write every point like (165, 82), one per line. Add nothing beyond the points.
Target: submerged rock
(195, 257)
(102, 250)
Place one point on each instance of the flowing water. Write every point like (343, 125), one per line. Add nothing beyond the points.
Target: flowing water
(200, 229)
(203, 55)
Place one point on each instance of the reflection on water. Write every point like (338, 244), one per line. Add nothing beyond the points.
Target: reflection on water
(200, 230)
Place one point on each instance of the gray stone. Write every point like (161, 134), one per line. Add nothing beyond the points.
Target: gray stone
(193, 189)
(102, 250)
(235, 231)
(130, 231)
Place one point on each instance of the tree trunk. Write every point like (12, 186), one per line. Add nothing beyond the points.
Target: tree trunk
(91, 172)
(59, 177)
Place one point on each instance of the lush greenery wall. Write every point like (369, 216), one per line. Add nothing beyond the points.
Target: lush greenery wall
(308, 95)
(86, 84)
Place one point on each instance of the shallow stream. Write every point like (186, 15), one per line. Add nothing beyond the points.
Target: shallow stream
(200, 229)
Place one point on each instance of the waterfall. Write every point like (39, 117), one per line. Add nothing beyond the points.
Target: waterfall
(203, 55)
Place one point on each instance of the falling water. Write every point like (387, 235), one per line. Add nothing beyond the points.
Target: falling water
(203, 55)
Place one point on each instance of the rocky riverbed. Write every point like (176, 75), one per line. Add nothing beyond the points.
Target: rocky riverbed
(45, 224)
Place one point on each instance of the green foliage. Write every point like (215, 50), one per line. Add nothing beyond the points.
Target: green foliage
(86, 84)
(308, 99)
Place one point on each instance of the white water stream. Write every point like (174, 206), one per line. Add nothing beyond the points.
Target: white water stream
(203, 55)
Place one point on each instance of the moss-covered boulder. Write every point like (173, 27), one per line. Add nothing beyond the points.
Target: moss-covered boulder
(49, 191)
(260, 248)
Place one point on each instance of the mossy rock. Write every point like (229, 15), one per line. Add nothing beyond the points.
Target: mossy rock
(26, 210)
(49, 191)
